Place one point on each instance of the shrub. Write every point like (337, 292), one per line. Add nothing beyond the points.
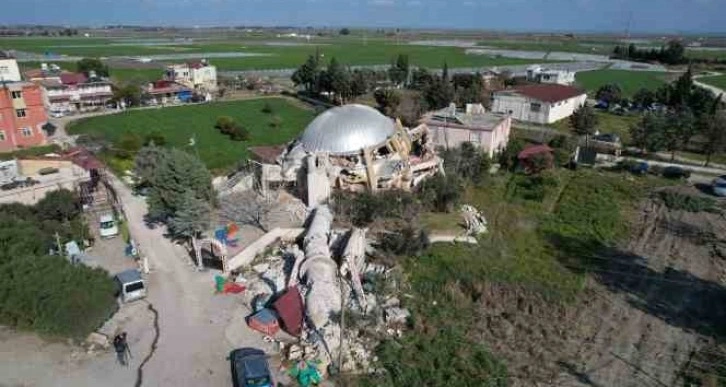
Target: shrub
(276, 121)
(228, 126)
(156, 138)
(128, 145)
(47, 171)
(364, 208)
(468, 162)
(442, 193)
(267, 108)
(532, 187)
(409, 240)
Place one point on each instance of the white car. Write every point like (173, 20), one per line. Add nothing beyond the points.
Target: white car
(108, 227)
(56, 114)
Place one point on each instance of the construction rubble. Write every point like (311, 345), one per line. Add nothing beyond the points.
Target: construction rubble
(317, 299)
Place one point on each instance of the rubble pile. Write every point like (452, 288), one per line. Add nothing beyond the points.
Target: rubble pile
(344, 313)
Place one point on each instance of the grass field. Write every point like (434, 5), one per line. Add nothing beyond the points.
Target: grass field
(179, 124)
(606, 123)
(348, 51)
(629, 81)
(718, 81)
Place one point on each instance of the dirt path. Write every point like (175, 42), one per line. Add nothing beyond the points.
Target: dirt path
(192, 333)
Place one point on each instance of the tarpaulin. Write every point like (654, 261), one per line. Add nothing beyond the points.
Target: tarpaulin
(289, 306)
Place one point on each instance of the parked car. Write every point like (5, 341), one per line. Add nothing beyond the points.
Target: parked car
(719, 186)
(608, 137)
(250, 368)
(56, 114)
(107, 226)
(131, 286)
(674, 172)
(640, 168)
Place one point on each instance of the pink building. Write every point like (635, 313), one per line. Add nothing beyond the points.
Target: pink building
(450, 128)
(22, 116)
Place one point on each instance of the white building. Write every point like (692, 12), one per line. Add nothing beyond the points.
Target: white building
(544, 75)
(74, 92)
(542, 104)
(9, 71)
(198, 75)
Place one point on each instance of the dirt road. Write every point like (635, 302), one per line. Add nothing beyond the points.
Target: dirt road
(194, 331)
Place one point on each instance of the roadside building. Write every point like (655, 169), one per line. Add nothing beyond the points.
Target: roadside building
(165, 92)
(544, 75)
(67, 92)
(9, 71)
(198, 76)
(22, 116)
(450, 128)
(541, 104)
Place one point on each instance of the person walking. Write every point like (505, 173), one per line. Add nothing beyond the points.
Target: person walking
(122, 348)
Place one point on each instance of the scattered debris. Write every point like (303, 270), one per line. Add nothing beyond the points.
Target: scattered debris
(474, 220)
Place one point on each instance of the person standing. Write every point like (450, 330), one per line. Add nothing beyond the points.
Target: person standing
(122, 348)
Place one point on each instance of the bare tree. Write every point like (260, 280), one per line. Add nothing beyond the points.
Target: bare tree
(247, 208)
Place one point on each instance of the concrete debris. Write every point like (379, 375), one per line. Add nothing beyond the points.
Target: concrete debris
(353, 261)
(396, 315)
(375, 268)
(96, 341)
(261, 268)
(297, 256)
(295, 352)
(474, 220)
(391, 303)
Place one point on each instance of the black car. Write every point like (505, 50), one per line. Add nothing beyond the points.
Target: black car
(676, 173)
(608, 137)
(250, 368)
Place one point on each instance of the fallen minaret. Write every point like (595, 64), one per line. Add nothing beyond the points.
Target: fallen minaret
(319, 274)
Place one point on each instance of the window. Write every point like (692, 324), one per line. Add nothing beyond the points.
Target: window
(535, 107)
(2, 135)
(16, 94)
(26, 132)
(4, 70)
(20, 113)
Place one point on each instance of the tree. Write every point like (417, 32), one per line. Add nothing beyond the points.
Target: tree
(308, 74)
(146, 162)
(411, 107)
(677, 131)
(129, 94)
(228, 126)
(673, 52)
(267, 108)
(508, 158)
(421, 78)
(387, 100)
(344, 31)
(247, 208)
(648, 133)
(336, 79)
(583, 121)
(713, 129)
(610, 93)
(190, 220)
(442, 192)
(128, 145)
(644, 98)
(439, 94)
(361, 82)
(61, 205)
(86, 65)
(177, 173)
(445, 72)
(398, 73)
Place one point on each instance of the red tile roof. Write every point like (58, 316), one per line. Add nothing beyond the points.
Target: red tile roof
(548, 92)
(72, 78)
(533, 150)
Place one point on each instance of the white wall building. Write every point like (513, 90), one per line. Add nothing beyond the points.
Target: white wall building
(544, 75)
(197, 76)
(9, 71)
(541, 104)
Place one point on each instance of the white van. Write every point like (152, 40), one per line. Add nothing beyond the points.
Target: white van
(131, 285)
(107, 226)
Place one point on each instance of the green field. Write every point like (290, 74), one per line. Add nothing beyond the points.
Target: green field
(717, 80)
(606, 123)
(348, 51)
(629, 81)
(179, 124)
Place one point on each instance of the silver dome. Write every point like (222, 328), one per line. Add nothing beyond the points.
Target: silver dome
(347, 129)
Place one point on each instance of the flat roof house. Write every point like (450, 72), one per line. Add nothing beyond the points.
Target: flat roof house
(450, 128)
(541, 103)
(22, 116)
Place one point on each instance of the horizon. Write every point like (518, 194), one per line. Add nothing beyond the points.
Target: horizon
(527, 16)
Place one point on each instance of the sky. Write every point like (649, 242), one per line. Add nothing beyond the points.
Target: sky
(515, 15)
